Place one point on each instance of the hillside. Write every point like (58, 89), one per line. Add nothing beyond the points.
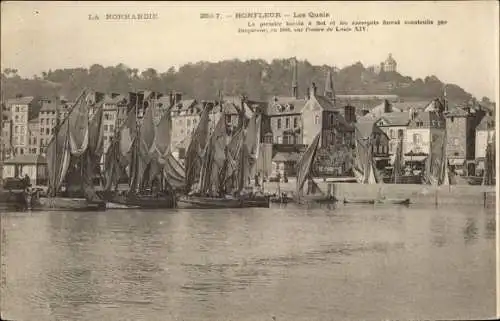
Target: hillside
(256, 78)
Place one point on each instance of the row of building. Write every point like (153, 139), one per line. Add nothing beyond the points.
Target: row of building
(289, 124)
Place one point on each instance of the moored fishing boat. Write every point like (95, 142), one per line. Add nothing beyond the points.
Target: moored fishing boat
(220, 172)
(395, 201)
(304, 168)
(142, 150)
(69, 161)
(225, 202)
(358, 201)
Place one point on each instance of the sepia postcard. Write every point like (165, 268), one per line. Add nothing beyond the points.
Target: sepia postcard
(172, 160)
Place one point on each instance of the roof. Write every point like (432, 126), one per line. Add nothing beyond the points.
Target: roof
(367, 97)
(325, 103)
(286, 157)
(487, 120)
(377, 111)
(108, 99)
(20, 100)
(291, 105)
(26, 159)
(365, 128)
(406, 105)
(391, 119)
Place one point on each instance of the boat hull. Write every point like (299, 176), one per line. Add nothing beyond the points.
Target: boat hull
(12, 199)
(394, 201)
(358, 201)
(212, 202)
(389, 201)
(65, 204)
(477, 180)
(140, 202)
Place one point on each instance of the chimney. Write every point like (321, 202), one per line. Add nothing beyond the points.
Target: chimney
(387, 106)
(329, 92)
(178, 97)
(171, 98)
(411, 113)
(312, 91)
(350, 114)
(295, 83)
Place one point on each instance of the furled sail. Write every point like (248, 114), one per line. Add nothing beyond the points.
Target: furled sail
(436, 163)
(118, 157)
(398, 161)
(362, 166)
(233, 159)
(163, 165)
(58, 158)
(145, 148)
(78, 120)
(174, 172)
(214, 159)
(252, 144)
(489, 163)
(60, 147)
(196, 149)
(305, 163)
(127, 135)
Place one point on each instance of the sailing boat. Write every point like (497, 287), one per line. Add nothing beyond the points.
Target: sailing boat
(69, 162)
(225, 166)
(140, 150)
(304, 168)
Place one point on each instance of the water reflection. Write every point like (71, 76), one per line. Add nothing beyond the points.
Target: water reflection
(295, 263)
(470, 230)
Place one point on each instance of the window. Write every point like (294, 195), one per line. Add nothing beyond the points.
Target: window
(417, 138)
(316, 120)
(41, 130)
(23, 129)
(41, 141)
(47, 131)
(295, 122)
(391, 133)
(17, 109)
(21, 151)
(279, 124)
(287, 122)
(111, 128)
(17, 118)
(105, 128)
(400, 133)
(16, 129)
(332, 119)
(34, 150)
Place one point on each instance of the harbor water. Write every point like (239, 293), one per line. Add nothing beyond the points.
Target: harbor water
(290, 263)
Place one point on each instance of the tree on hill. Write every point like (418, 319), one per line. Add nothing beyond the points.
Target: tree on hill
(256, 78)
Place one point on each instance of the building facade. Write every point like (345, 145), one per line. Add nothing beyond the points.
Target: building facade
(461, 124)
(485, 134)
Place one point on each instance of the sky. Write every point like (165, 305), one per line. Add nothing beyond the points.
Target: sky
(37, 36)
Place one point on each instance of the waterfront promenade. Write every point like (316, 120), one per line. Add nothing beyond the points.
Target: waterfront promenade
(419, 194)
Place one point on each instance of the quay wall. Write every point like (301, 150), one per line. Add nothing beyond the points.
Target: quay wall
(418, 194)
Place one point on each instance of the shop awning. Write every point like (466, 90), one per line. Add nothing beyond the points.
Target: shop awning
(286, 157)
(456, 161)
(416, 158)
